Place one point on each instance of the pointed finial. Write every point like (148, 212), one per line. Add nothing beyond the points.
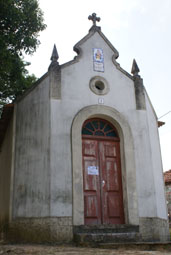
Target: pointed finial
(94, 18)
(54, 64)
(135, 69)
(55, 55)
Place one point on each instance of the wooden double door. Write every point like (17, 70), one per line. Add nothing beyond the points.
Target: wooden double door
(103, 198)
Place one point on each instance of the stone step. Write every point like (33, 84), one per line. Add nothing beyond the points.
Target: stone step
(118, 228)
(106, 234)
(106, 237)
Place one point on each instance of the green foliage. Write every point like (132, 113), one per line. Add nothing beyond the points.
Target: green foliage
(20, 23)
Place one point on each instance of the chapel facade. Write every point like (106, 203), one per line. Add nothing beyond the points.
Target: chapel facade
(80, 151)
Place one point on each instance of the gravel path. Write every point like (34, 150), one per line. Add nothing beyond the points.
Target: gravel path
(71, 250)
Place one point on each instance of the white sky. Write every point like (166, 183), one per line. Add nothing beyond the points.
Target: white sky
(138, 29)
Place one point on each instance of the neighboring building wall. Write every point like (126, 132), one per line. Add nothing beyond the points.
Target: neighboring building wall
(6, 152)
(167, 179)
(168, 199)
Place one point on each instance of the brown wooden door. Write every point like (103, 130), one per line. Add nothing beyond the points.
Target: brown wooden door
(103, 202)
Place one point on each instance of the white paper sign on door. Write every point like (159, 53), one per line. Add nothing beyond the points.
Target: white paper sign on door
(93, 170)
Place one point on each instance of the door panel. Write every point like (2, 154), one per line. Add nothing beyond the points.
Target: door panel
(109, 158)
(113, 206)
(111, 170)
(91, 206)
(92, 203)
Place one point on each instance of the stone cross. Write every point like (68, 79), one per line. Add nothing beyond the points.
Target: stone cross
(94, 18)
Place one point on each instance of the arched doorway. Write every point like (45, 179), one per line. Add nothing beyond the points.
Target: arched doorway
(102, 179)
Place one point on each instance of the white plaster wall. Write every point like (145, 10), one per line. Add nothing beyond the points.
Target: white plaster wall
(157, 167)
(32, 168)
(76, 77)
(60, 160)
(145, 179)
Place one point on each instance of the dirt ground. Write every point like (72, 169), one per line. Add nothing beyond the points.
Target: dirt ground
(71, 250)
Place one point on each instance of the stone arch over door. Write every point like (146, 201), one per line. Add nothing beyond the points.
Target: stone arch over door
(127, 161)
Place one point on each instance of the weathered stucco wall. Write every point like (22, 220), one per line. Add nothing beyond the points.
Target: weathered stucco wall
(32, 154)
(60, 160)
(145, 178)
(157, 167)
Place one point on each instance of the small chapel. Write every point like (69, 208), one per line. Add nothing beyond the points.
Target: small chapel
(80, 154)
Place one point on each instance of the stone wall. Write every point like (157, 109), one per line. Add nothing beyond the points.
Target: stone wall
(168, 199)
(40, 230)
(154, 229)
(60, 230)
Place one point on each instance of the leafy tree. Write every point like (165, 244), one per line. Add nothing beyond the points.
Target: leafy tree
(20, 23)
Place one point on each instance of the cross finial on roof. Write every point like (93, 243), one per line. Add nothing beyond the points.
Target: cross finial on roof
(94, 18)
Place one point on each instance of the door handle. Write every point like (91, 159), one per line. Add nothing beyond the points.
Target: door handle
(103, 183)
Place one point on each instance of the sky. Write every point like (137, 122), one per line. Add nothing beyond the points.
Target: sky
(138, 29)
